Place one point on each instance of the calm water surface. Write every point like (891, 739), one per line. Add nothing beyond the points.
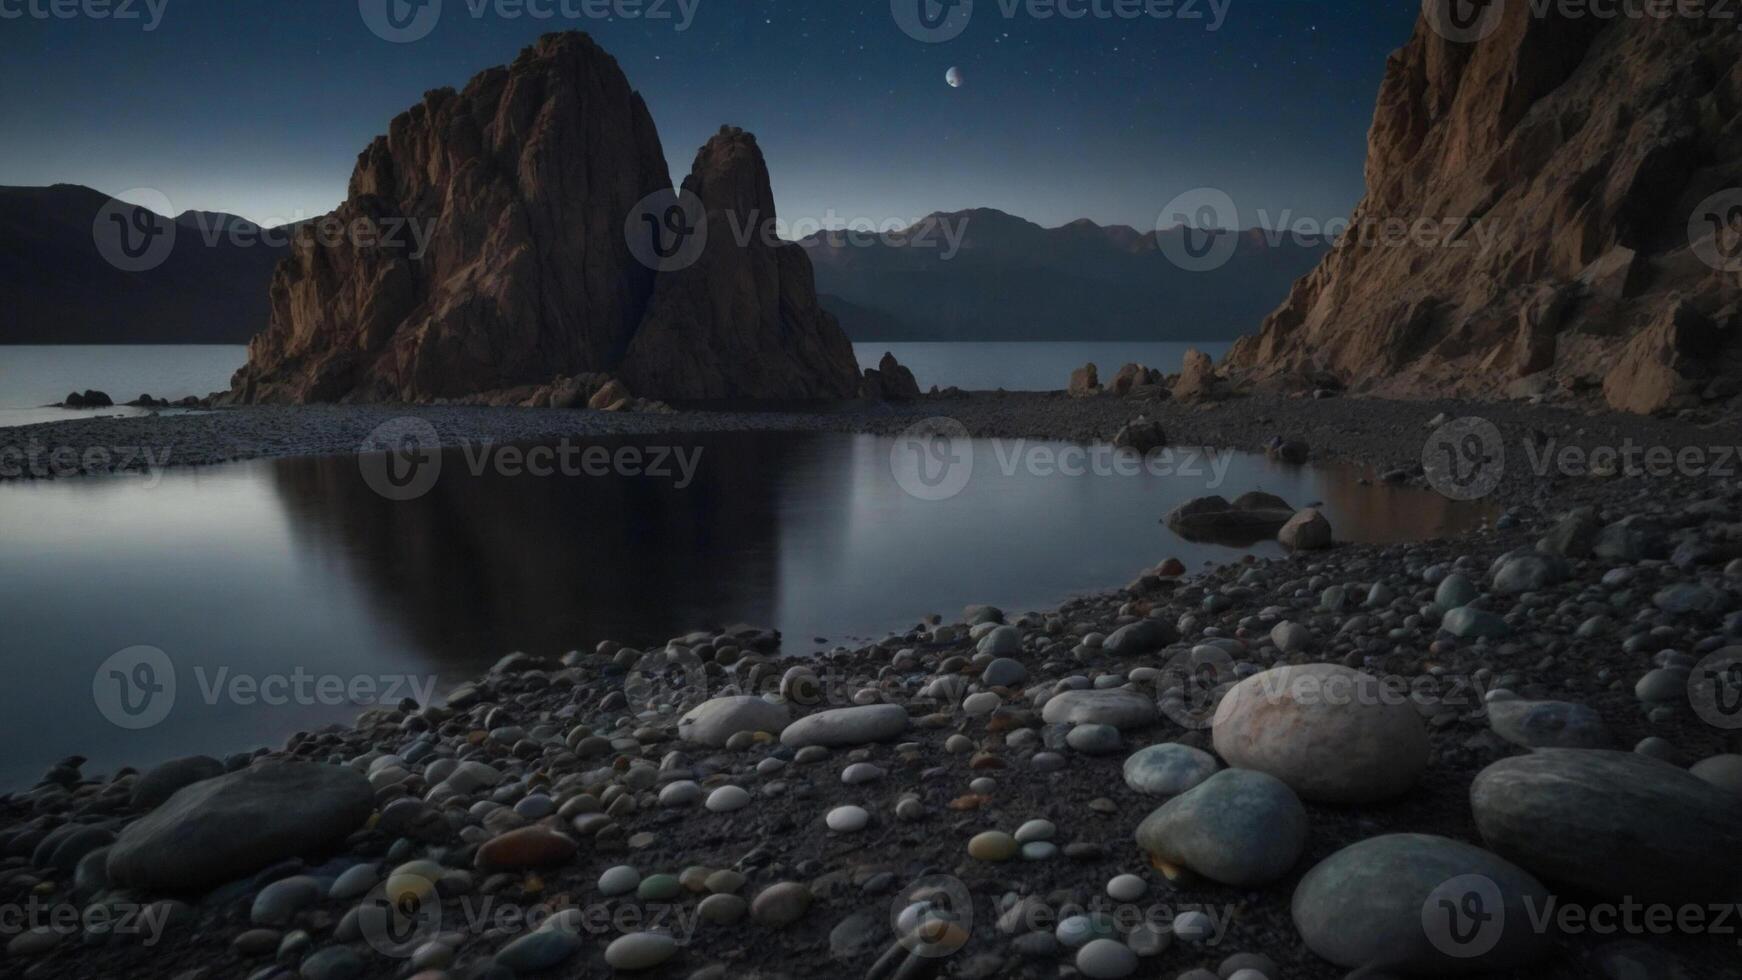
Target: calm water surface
(31, 377)
(296, 568)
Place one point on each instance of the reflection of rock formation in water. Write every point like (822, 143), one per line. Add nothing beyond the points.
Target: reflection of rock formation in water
(482, 565)
(1385, 513)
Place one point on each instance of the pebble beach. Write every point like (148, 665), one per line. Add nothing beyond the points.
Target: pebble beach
(1264, 769)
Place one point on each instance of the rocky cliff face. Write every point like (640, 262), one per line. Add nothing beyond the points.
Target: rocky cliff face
(499, 258)
(742, 321)
(1539, 201)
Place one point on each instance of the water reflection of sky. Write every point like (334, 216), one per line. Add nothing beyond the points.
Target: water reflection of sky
(268, 566)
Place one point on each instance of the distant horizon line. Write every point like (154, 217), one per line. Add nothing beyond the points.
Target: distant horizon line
(280, 223)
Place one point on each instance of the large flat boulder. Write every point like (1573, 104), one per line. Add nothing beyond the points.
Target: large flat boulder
(1620, 824)
(225, 828)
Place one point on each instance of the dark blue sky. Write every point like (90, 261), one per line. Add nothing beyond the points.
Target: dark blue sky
(260, 107)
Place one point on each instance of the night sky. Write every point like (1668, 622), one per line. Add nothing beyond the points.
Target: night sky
(259, 107)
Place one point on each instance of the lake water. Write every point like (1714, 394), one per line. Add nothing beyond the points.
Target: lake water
(32, 377)
(257, 574)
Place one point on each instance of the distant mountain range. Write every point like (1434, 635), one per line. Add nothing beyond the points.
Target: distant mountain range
(987, 275)
(967, 275)
(56, 286)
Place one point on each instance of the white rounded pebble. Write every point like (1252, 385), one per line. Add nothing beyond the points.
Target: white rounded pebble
(726, 799)
(847, 819)
(640, 950)
(1035, 830)
(860, 772)
(684, 792)
(1127, 888)
(983, 785)
(620, 880)
(1106, 959)
(983, 703)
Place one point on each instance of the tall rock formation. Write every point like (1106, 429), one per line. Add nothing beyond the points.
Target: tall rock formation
(742, 320)
(1538, 201)
(493, 254)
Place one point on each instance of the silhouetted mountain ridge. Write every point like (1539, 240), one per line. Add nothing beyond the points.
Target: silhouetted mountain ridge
(56, 287)
(987, 275)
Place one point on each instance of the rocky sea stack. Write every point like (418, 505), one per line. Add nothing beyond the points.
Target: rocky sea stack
(501, 258)
(1556, 184)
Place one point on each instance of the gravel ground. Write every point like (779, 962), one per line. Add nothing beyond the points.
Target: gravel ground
(1585, 637)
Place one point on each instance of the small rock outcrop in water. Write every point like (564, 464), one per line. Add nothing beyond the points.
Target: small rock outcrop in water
(89, 398)
(1251, 517)
(889, 382)
(521, 186)
(1085, 380)
(1565, 175)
